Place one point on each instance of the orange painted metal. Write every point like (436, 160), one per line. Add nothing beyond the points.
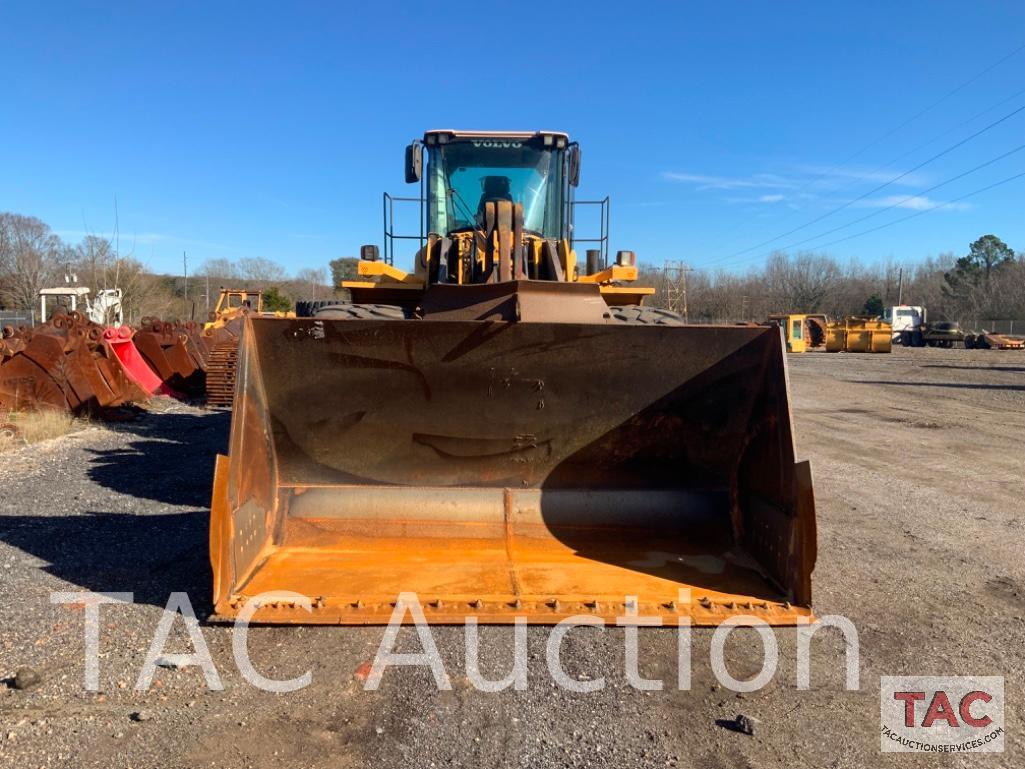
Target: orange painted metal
(501, 469)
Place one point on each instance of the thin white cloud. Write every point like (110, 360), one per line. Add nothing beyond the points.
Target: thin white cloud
(805, 181)
(829, 176)
(912, 202)
(706, 182)
(774, 197)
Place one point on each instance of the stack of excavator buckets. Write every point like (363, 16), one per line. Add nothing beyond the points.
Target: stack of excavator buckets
(63, 364)
(173, 351)
(73, 364)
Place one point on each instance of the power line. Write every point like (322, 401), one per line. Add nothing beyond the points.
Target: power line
(876, 141)
(939, 101)
(876, 189)
(947, 132)
(901, 202)
(925, 211)
(915, 149)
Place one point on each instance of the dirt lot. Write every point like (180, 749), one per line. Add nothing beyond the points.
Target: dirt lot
(918, 464)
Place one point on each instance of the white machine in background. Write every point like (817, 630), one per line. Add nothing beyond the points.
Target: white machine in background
(105, 308)
(904, 317)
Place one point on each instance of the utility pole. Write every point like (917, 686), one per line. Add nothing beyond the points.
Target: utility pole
(208, 293)
(674, 284)
(900, 286)
(185, 275)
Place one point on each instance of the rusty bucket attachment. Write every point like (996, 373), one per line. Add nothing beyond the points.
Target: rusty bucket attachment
(503, 469)
(169, 351)
(64, 364)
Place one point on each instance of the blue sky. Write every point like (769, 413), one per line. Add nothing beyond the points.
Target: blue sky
(271, 129)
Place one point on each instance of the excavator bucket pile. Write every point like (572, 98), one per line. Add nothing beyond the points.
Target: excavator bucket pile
(168, 350)
(63, 364)
(502, 469)
(197, 345)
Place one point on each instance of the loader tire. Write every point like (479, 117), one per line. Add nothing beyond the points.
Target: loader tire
(348, 311)
(635, 315)
(306, 308)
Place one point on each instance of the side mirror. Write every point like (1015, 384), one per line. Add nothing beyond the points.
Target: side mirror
(414, 162)
(573, 164)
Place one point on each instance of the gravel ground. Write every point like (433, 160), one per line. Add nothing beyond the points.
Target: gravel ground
(918, 466)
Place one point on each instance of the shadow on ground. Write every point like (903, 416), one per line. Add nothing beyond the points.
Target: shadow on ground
(148, 555)
(169, 460)
(957, 385)
(975, 368)
(172, 460)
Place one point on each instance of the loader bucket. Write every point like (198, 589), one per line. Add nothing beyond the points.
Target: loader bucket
(503, 469)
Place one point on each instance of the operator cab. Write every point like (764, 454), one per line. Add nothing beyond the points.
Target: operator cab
(468, 169)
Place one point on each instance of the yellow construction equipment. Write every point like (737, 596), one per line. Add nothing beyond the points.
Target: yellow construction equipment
(231, 303)
(794, 330)
(222, 332)
(505, 431)
(859, 334)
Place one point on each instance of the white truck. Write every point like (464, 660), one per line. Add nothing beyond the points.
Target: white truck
(904, 317)
(912, 329)
(105, 308)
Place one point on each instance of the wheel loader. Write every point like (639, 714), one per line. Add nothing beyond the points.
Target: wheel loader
(506, 431)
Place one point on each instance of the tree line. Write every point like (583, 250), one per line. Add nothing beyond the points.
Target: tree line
(32, 257)
(986, 282)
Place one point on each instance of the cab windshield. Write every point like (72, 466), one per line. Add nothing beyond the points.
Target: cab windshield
(465, 174)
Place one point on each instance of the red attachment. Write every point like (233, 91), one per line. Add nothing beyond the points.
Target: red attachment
(120, 341)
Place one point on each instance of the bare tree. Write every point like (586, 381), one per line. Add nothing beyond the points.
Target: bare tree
(261, 270)
(800, 283)
(222, 269)
(312, 283)
(29, 259)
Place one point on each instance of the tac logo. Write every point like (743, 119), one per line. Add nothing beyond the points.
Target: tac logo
(939, 714)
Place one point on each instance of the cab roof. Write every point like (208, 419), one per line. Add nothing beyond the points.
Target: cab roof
(441, 135)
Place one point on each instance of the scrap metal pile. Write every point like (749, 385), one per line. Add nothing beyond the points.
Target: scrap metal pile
(70, 363)
(74, 364)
